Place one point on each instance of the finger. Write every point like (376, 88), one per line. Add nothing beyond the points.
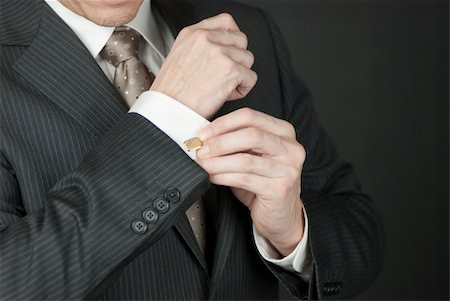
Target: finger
(228, 38)
(247, 79)
(249, 182)
(243, 140)
(240, 56)
(223, 21)
(244, 118)
(243, 163)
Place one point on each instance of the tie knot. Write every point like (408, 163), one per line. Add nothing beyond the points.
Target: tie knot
(121, 46)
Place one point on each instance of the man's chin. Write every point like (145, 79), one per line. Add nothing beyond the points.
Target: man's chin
(114, 21)
(117, 12)
(116, 2)
(109, 13)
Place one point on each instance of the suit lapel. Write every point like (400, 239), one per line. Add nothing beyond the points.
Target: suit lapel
(59, 65)
(227, 215)
(184, 229)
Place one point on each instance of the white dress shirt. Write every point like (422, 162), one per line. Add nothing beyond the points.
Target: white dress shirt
(173, 118)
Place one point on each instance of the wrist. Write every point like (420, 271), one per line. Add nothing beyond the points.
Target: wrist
(286, 244)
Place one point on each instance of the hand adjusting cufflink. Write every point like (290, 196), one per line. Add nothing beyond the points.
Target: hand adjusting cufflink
(193, 144)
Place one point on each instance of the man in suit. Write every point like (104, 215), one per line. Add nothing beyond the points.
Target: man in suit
(98, 203)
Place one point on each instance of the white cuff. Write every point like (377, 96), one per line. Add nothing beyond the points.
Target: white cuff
(298, 261)
(176, 120)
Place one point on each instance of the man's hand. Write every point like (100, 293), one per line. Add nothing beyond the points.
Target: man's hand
(259, 157)
(208, 65)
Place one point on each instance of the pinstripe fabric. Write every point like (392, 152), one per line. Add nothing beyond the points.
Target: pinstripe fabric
(76, 170)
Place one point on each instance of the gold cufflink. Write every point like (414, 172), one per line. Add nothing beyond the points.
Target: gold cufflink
(193, 144)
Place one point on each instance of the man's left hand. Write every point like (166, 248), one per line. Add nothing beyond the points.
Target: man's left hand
(258, 156)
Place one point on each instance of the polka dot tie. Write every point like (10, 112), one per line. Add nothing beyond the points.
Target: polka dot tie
(131, 76)
(197, 219)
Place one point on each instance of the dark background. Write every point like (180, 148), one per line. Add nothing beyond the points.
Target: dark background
(378, 71)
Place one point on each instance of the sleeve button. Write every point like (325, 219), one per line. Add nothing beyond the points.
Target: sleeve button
(172, 195)
(150, 216)
(139, 227)
(161, 205)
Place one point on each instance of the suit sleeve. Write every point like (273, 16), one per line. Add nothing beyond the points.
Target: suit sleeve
(345, 231)
(92, 223)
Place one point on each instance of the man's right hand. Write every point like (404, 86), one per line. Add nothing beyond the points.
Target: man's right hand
(208, 65)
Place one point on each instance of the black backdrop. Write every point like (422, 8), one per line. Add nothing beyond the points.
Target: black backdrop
(378, 71)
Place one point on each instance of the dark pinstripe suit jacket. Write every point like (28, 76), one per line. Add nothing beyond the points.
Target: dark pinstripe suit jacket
(76, 171)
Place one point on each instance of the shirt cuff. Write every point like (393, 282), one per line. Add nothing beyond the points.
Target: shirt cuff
(298, 261)
(176, 120)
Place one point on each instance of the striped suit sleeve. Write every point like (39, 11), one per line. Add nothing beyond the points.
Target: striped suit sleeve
(345, 231)
(84, 233)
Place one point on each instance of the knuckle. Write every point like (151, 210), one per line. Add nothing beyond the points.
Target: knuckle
(247, 114)
(301, 152)
(209, 165)
(243, 40)
(244, 36)
(227, 18)
(219, 178)
(289, 128)
(246, 180)
(272, 165)
(200, 35)
(206, 22)
(251, 56)
(255, 135)
(214, 146)
(248, 162)
(293, 173)
(185, 32)
(254, 77)
(228, 65)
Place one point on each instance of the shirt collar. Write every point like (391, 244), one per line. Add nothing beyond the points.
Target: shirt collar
(94, 36)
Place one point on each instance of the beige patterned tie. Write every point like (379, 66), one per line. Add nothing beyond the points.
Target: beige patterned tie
(131, 79)
(197, 218)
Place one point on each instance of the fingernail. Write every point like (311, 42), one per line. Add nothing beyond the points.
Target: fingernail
(204, 134)
(203, 152)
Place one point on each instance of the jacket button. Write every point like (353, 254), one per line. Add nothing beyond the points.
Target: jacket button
(327, 290)
(161, 205)
(338, 287)
(150, 216)
(172, 195)
(139, 227)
